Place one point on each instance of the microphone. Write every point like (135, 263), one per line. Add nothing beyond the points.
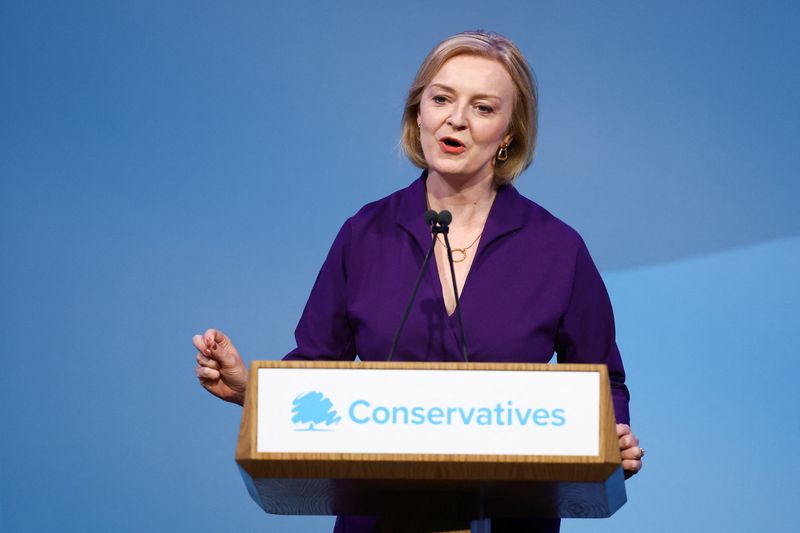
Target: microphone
(445, 218)
(431, 219)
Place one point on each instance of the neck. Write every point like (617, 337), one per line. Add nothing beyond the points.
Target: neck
(469, 200)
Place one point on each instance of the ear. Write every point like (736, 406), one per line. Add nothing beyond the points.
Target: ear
(508, 139)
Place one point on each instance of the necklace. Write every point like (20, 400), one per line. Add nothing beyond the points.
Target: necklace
(462, 251)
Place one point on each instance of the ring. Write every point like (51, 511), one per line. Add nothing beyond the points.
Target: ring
(642, 450)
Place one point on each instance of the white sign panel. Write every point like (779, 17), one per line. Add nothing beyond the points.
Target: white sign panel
(485, 412)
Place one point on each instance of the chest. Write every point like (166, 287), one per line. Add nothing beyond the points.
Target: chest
(463, 258)
(512, 296)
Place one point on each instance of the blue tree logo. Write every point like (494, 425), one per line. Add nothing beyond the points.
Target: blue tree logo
(313, 408)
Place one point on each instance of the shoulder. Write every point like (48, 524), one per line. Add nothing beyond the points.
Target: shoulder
(367, 227)
(379, 209)
(551, 242)
(389, 209)
(541, 224)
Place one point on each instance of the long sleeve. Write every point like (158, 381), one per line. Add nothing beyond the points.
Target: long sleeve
(324, 331)
(586, 332)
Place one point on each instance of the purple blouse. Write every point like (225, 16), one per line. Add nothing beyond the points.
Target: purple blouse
(532, 291)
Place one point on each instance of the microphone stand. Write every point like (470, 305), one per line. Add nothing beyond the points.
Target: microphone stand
(444, 228)
(431, 219)
(440, 223)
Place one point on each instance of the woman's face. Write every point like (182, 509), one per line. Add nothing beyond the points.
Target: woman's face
(464, 117)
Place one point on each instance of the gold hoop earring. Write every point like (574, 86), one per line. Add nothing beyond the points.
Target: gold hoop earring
(502, 152)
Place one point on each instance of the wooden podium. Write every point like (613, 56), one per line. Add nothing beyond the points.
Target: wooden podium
(461, 486)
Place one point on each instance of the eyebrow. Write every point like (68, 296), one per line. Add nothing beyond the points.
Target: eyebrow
(450, 89)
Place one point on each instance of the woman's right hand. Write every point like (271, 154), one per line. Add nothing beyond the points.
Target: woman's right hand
(220, 368)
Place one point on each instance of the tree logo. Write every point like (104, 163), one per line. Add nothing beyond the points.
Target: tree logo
(313, 408)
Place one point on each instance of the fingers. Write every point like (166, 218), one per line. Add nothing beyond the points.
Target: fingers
(220, 369)
(629, 450)
(206, 374)
(628, 441)
(631, 467)
(213, 344)
(204, 343)
(213, 336)
(633, 453)
(205, 353)
(199, 343)
(626, 437)
(208, 340)
(207, 369)
(207, 362)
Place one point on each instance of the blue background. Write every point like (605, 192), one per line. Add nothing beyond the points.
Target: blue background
(170, 166)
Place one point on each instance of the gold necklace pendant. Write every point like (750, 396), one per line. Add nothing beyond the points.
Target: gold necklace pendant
(462, 251)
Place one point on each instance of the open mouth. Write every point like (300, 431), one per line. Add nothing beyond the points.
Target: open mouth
(452, 142)
(451, 146)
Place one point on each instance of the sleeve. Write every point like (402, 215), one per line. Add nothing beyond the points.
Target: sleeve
(586, 332)
(324, 331)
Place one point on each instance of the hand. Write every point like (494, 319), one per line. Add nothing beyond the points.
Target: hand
(220, 368)
(629, 449)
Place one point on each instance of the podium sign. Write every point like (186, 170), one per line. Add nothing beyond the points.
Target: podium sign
(422, 411)
(446, 440)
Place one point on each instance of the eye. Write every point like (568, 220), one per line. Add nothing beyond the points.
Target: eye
(439, 99)
(484, 109)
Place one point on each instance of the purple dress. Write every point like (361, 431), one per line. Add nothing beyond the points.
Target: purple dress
(532, 291)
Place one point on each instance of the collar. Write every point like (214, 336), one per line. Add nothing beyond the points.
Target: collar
(506, 215)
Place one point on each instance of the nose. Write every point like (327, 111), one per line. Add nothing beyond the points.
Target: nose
(457, 119)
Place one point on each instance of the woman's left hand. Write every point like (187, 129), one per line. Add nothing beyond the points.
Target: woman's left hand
(630, 450)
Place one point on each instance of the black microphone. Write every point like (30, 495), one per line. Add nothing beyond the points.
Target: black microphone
(431, 219)
(445, 218)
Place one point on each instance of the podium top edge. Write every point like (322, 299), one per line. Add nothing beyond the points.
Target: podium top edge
(407, 365)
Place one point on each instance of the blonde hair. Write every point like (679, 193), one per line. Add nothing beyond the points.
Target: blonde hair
(523, 125)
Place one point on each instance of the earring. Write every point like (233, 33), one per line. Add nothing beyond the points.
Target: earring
(502, 152)
(419, 124)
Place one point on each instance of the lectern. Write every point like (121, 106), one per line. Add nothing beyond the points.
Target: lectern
(447, 441)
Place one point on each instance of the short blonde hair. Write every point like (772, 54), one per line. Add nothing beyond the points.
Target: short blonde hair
(523, 126)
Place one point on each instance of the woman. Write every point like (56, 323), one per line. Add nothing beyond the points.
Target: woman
(527, 283)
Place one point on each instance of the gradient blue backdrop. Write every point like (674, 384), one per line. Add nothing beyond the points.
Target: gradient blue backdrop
(159, 159)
